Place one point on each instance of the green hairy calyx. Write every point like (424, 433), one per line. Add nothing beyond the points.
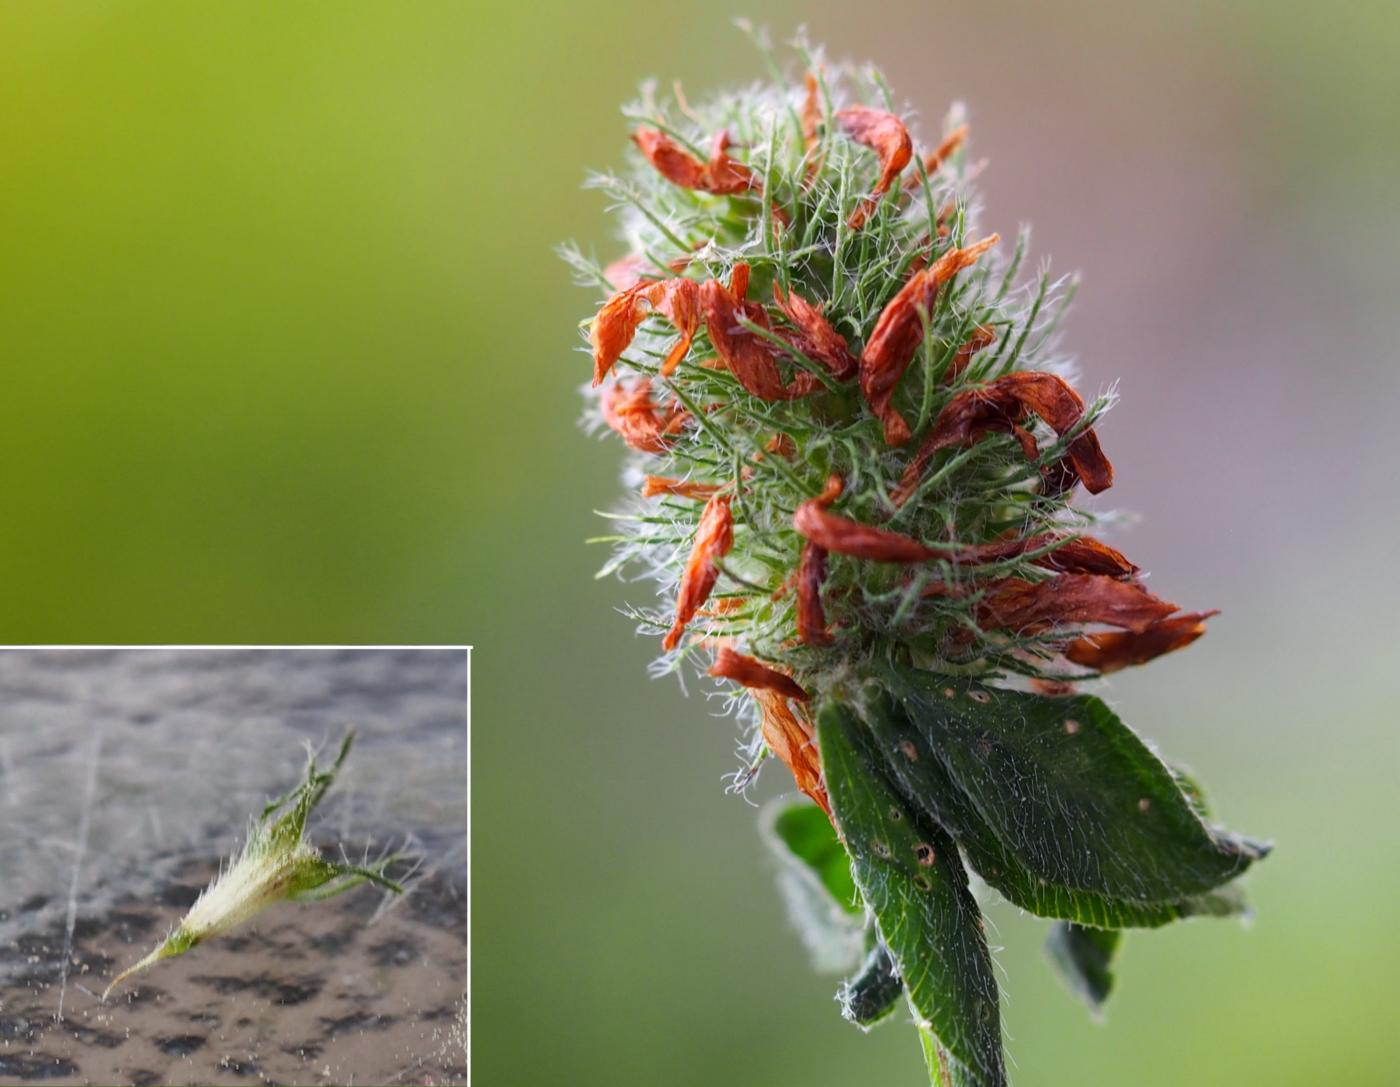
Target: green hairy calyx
(855, 450)
(277, 864)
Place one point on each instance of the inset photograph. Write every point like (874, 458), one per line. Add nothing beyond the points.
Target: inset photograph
(234, 865)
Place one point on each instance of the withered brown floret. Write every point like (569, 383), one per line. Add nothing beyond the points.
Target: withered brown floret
(713, 539)
(1108, 651)
(814, 336)
(1028, 607)
(885, 134)
(721, 175)
(615, 326)
(1003, 405)
(900, 329)
(629, 410)
(754, 674)
(748, 356)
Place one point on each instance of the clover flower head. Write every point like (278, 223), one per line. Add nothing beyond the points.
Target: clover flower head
(853, 430)
(855, 453)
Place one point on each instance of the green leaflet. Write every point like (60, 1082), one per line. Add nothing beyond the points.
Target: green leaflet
(814, 877)
(806, 833)
(925, 780)
(909, 873)
(1069, 789)
(1084, 959)
(873, 993)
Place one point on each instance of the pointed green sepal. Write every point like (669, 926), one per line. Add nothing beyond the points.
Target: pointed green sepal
(1083, 957)
(873, 993)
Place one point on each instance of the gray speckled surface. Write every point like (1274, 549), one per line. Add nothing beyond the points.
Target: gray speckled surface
(126, 775)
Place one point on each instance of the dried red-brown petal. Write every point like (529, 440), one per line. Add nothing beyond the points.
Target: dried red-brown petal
(983, 336)
(671, 160)
(886, 135)
(1086, 555)
(629, 270)
(814, 336)
(613, 329)
(684, 488)
(833, 532)
(725, 605)
(999, 405)
(629, 410)
(739, 281)
(1080, 555)
(748, 356)
(626, 271)
(754, 674)
(713, 539)
(811, 111)
(780, 445)
(721, 174)
(791, 740)
(724, 174)
(899, 330)
(811, 616)
(678, 300)
(1051, 397)
(1111, 650)
(831, 491)
(1013, 604)
(934, 160)
(615, 326)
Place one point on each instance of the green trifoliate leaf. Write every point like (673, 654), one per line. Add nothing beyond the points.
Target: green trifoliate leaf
(874, 992)
(1069, 790)
(276, 864)
(926, 783)
(909, 873)
(1084, 959)
(814, 877)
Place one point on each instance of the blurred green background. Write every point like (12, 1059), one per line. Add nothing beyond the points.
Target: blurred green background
(288, 358)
